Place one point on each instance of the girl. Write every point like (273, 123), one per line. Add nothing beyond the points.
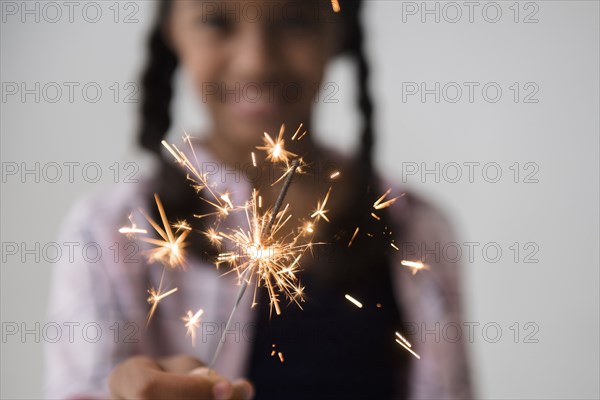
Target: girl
(242, 58)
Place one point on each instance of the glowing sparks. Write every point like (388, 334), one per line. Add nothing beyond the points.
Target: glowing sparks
(220, 202)
(415, 266)
(406, 344)
(295, 135)
(334, 175)
(279, 353)
(320, 211)
(169, 250)
(155, 297)
(353, 301)
(275, 148)
(213, 236)
(353, 236)
(266, 251)
(133, 229)
(273, 262)
(380, 203)
(192, 323)
(403, 339)
(394, 246)
(309, 228)
(335, 4)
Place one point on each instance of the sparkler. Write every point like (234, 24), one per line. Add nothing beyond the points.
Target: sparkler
(269, 255)
(266, 258)
(275, 262)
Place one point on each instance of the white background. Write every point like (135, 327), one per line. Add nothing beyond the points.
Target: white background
(559, 134)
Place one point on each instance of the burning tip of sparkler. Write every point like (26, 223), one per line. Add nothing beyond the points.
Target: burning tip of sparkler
(415, 266)
(353, 301)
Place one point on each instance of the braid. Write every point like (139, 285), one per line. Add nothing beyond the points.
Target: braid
(157, 86)
(365, 103)
(354, 45)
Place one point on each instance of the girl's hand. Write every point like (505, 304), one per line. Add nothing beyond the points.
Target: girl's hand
(179, 377)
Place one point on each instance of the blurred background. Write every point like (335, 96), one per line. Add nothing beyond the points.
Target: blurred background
(488, 109)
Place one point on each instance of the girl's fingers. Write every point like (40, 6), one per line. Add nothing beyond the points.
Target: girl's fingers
(242, 390)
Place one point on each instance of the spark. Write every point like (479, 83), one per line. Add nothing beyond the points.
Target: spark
(279, 353)
(220, 202)
(213, 236)
(353, 236)
(375, 216)
(320, 211)
(275, 148)
(394, 246)
(353, 301)
(301, 136)
(298, 131)
(133, 229)
(403, 339)
(253, 159)
(309, 227)
(415, 266)
(380, 204)
(335, 4)
(169, 250)
(407, 348)
(334, 175)
(156, 297)
(192, 323)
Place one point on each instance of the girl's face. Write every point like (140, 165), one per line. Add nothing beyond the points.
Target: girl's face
(254, 64)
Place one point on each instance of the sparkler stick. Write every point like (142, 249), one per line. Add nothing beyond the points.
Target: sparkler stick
(246, 275)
